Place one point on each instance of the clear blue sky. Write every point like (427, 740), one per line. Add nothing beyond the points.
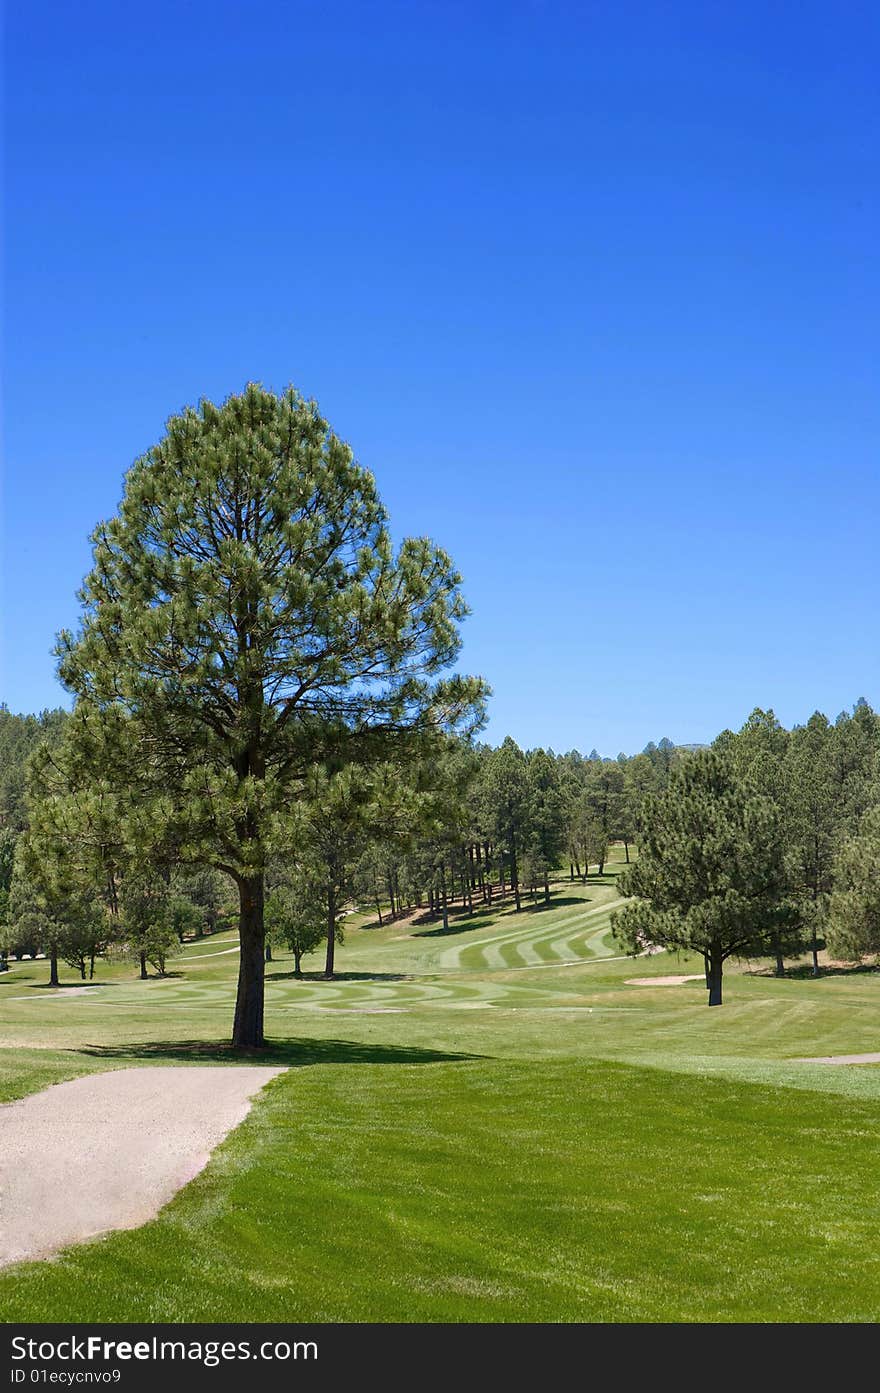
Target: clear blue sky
(592, 288)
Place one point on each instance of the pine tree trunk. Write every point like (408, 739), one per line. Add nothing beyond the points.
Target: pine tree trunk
(297, 963)
(247, 1029)
(53, 965)
(546, 888)
(814, 949)
(514, 878)
(379, 911)
(481, 879)
(626, 849)
(716, 963)
(143, 959)
(444, 904)
(814, 943)
(329, 963)
(268, 952)
(779, 970)
(91, 967)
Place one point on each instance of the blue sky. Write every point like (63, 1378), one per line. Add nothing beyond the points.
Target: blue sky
(591, 288)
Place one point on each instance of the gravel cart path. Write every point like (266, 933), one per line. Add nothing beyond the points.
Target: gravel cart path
(107, 1151)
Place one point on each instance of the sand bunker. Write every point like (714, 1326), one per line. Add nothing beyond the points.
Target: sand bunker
(675, 981)
(107, 1151)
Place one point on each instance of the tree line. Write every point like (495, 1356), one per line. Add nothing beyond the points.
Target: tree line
(470, 825)
(764, 845)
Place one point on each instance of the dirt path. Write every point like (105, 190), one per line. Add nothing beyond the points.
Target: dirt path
(107, 1151)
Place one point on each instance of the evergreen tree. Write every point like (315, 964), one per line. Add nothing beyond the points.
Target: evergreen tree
(663, 757)
(337, 814)
(147, 928)
(51, 916)
(855, 743)
(758, 752)
(545, 837)
(506, 804)
(710, 875)
(185, 917)
(295, 910)
(203, 888)
(813, 808)
(19, 737)
(854, 910)
(604, 806)
(246, 618)
(571, 786)
(640, 779)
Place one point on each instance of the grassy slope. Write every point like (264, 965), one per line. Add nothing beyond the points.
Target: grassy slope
(478, 1130)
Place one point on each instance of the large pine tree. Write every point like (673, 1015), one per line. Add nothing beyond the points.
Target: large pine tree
(245, 616)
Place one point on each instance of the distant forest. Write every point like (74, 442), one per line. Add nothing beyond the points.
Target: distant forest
(476, 825)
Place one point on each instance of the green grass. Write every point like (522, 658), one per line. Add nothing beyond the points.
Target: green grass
(486, 1125)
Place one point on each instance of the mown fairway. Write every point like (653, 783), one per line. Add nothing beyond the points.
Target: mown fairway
(487, 1124)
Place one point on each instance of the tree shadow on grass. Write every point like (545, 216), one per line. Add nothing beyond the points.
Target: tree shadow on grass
(467, 918)
(803, 972)
(472, 921)
(462, 927)
(464, 917)
(62, 985)
(90, 985)
(337, 977)
(557, 902)
(293, 1053)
